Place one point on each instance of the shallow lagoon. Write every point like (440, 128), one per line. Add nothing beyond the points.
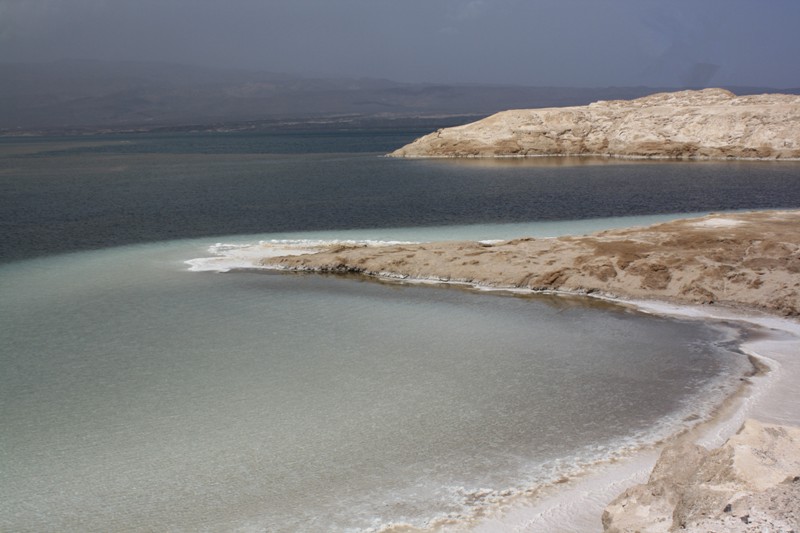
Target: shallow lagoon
(140, 395)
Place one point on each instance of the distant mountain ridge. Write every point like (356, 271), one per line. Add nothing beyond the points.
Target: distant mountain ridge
(76, 95)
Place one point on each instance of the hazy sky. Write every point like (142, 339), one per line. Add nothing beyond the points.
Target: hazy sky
(531, 42)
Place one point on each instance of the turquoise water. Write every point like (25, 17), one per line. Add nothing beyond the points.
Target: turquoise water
(140, 396)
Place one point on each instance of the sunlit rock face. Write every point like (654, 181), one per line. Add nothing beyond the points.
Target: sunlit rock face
(706, 124)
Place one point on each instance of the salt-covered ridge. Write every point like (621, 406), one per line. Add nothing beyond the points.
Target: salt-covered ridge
(705, 124)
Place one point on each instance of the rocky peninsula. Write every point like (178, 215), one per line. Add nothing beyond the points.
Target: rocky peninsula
(704, 124)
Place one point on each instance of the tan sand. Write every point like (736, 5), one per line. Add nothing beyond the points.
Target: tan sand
(746, 260)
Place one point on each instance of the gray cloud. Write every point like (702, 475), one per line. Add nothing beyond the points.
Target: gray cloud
(539, 42)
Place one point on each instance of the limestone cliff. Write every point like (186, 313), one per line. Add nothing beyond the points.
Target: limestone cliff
(706, 124)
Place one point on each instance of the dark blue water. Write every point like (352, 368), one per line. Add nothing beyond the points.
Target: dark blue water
(66, 194)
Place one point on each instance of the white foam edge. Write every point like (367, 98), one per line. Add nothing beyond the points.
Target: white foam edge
(226, 257)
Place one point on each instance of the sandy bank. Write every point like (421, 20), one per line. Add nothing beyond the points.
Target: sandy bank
(749, 260)
(706, 124)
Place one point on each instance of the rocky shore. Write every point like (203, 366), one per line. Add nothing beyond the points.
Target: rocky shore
(705, 124)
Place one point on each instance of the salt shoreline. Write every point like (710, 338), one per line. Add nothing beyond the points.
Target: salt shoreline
(578, 504)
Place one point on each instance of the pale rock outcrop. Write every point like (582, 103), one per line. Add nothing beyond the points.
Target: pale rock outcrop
(750, 484)
(706, 124)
